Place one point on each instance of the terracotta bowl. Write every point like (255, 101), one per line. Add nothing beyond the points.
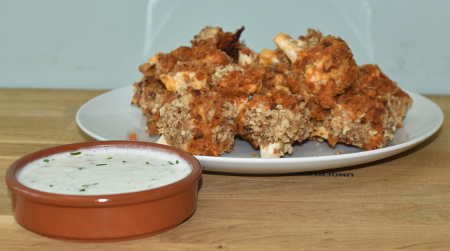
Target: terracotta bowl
(104, 218)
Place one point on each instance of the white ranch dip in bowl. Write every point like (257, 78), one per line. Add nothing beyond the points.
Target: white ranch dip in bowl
(101, 170)
(104, 191)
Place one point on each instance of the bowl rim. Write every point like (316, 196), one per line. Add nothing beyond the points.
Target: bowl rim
(105, 200)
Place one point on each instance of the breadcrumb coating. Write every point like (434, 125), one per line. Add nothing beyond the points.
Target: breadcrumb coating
(201, 97)
(197, 123)
(362, 117)
(372, 76)
(274, 121)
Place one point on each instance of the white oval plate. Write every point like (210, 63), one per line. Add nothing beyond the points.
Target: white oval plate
(111, 116)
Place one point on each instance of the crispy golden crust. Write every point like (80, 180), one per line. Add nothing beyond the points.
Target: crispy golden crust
(373, 77)
(197, 123)
(199, 98)
(368, 113)
(275, 117)
(151, 95)
(320, 67)
(363, 118)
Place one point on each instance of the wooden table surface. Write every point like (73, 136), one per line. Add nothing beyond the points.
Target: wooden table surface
(402, 202)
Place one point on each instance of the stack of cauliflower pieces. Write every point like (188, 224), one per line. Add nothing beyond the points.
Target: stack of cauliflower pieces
(199, 98)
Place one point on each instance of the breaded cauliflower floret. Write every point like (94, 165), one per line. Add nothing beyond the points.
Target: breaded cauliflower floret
(193, 66)
(325, 62)
(273, 121)
(150, 95)
(372, 77)
(198, 122)
(363, 118)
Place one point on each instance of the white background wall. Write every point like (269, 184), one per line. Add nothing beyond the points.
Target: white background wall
(99, 44)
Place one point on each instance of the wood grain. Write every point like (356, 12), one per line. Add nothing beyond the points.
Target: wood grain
(402, 202)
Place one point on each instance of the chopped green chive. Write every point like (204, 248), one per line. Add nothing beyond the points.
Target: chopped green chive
(46, 160)
(77, 153)
(101, 164)
(109, 158)
(86, 186)
(81, 168)
(147, 162)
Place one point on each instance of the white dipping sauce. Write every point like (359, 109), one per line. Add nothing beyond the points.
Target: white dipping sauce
(97, 171)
